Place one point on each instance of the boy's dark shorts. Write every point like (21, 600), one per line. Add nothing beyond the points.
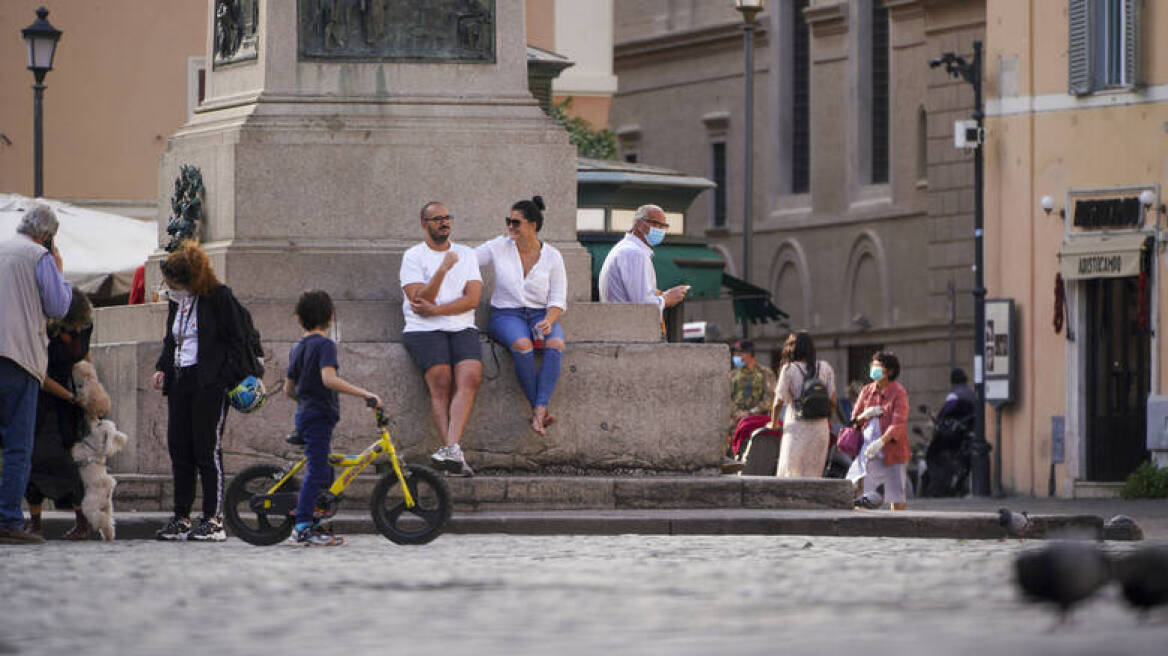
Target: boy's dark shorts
(434, 347)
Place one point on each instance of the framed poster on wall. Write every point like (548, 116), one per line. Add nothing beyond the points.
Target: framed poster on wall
(1000, 359)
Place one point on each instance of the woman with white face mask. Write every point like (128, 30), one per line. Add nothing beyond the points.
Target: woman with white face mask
(881, 412)
(194, 372)
(530, 295)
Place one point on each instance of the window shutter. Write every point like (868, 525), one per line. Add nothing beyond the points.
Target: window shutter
(1131, 43)
(1079, 47)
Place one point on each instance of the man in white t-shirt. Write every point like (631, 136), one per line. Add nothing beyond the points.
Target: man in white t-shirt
(440, 290)
(628, 275)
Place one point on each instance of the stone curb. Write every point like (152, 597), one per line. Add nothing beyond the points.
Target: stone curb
(840, 523)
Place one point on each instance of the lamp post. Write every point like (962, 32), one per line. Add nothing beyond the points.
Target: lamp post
(41, 39)
(970, 71)
(749, 10)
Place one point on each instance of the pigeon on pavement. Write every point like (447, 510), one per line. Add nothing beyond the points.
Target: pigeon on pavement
(1143, 574)
(1062, 573)
(1017, 525)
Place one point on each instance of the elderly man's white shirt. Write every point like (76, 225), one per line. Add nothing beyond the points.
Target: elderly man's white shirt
(544, 286)
(628, 275)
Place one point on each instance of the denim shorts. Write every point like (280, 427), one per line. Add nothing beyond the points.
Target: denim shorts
(430, 348)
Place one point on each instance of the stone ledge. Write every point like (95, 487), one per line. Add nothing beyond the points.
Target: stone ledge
(153, 492)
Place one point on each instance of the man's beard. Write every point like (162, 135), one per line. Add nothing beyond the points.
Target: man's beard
(437, 236)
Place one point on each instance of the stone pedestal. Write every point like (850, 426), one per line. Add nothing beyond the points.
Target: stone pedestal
(315, 169)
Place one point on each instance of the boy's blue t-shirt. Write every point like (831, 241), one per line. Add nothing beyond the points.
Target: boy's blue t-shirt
(308, 357)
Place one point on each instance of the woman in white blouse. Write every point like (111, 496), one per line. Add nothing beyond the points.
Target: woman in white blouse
(530, 295)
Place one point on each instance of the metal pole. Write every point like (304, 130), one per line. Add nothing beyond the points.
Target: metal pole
(998, 449)
(38, 154)
(980, 464)
(748, 157)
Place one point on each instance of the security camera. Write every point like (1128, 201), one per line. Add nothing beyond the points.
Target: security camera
(966, 134)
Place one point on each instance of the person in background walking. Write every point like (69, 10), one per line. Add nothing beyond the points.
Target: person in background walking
(803, 451)
(194, 372)
(882, 413)
(531, 293)
(32, 288)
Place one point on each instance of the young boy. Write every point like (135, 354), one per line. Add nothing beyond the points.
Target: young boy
(313, 383)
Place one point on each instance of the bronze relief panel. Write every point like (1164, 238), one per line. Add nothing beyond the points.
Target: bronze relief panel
(397, 30)
(236, 23)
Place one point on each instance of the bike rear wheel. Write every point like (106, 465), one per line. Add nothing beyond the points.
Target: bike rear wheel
(417, 525)
(245, 523)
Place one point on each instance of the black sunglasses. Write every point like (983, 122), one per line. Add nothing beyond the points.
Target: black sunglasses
(512, 223)
(441, 217)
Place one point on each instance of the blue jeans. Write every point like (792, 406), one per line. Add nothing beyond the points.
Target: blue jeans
(511, 324)
(18, 404)
(318, 437)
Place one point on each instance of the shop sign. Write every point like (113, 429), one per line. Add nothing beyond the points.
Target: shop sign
(999, 357)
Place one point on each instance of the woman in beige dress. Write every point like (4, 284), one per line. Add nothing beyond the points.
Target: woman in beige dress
(803, 451)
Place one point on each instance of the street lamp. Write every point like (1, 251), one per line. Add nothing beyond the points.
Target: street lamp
(41, 39)
(970, 71)
(749, 10)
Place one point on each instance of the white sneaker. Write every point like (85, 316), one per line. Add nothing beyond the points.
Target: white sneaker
(450, 460)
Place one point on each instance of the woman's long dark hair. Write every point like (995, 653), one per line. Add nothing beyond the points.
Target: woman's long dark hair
(800, 348)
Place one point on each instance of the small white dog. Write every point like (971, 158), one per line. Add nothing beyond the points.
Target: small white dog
(103, 440)
(89, 455)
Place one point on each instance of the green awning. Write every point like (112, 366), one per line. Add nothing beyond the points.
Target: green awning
(687, 261)
(751, 302)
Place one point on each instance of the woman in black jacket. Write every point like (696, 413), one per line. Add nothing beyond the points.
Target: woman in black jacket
(197, 367)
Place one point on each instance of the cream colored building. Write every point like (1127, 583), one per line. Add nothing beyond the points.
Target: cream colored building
(1078, 112)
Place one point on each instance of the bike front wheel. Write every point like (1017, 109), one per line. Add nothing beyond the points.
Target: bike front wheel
(417, 525)
(248, 524)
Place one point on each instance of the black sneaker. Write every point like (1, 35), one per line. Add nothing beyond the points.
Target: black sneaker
(178, 528)
(295, 438)
(210, 529)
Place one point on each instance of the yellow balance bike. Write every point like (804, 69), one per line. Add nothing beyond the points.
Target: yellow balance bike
(410, 504)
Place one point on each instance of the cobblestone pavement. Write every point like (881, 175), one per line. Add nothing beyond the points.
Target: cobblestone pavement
(561, 595)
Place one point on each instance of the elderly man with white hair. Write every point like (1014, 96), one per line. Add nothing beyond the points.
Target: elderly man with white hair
(627, 275)
(33, 288)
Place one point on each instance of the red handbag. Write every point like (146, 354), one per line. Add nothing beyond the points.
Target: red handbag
(850, 440)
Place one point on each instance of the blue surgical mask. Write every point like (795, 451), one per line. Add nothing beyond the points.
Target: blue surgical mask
(655, 236)
(876, 372)
(738, 362)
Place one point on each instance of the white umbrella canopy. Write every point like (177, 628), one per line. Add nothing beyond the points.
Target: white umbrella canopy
(100, 250)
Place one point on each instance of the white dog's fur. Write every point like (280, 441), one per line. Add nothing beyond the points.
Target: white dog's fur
(103, 440)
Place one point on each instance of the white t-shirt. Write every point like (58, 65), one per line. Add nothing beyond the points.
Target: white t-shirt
(418, 265)
(628, 276)
(544, 286)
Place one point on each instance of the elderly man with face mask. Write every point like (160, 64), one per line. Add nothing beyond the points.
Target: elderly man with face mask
(628, 275)
(33, 288)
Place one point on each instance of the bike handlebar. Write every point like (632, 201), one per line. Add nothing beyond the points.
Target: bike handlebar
(377, 411)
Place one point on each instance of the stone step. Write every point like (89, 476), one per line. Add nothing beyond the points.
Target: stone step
(708, 521)
(139, 492)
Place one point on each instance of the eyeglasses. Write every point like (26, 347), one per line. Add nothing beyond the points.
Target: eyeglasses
(441, 217)
(656, 224)
(512, 223)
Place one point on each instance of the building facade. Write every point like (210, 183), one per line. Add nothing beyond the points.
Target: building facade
(862, 207)
(1077, 136)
